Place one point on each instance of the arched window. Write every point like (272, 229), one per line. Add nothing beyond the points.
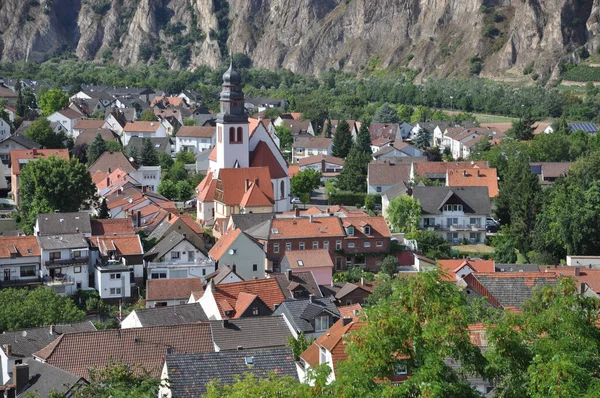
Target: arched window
(240, 134)
(282, 190)
(231, 135)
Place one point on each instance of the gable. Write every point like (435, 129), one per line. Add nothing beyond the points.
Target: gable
(261, 134)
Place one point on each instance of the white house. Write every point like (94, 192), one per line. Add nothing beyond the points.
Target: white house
(305, 146)
(19, 261)
(244, 255)
(4, 129)
(144, 130)
(65, 261)
(176, 256)
(148, 176)
(113, 280)
(329, 166)
(195, 138)
(67, 118)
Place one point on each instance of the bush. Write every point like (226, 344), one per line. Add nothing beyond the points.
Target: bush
(529, 68)
(490, 31)
(347, 198)
(497, 17)
(476, 64)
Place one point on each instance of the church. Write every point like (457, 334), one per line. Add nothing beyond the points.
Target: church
(247, 172)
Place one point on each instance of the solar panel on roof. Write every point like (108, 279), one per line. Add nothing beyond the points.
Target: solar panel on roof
(536, 169)
(587, 127)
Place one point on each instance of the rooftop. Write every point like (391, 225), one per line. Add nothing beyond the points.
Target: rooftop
(174, 315)
(308, 258)
(168, 289)
(474, 178)
(20, 156)
(19, 246)
(237, 296)
(64, 223)
(250, 332)
(388, 173)
(196, 131)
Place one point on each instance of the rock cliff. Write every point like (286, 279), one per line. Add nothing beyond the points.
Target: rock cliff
(498, 38)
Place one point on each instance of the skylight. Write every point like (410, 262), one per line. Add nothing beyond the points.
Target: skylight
(300, 263)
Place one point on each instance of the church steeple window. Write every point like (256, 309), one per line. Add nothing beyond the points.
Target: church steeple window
(240, 134)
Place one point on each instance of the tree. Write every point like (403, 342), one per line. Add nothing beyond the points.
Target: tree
(41, 132)
(403, 214)
(404, 112)
(23, 308)
(285, 137)
(184, 190)
(165, 161)
(363, 138)
(185, 157)
(422, 139)
(342, 140)
(96, 149)
(132, 153)
(385, 114)
(431, 244)
(433, 154)
(522, 129)
(299, 345)
(149, 156)
(168, 189)
(51, 184)
(190, 122)
(327, 129)
(148, 116)
(21, 106)
(421, 114)
(113, 146)
(103, 212)
(305, 181)
(389, 265)
(353, 176)
(79, 152)
(119, 380)
(53, 100)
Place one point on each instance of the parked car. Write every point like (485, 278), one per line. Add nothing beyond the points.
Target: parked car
(296, 201)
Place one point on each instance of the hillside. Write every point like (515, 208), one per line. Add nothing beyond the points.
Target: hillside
(438, 37)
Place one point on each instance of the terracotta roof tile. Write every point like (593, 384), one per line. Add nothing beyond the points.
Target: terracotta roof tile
(244, 300)
(166, 289)
(266, 289)
(233, 181)
(312, 142)
(388, 173)
(309, 258)
(474, 178)
(451, 267)
(293, 169)
(255, 197)
(197, 131)
(348, 311)
(286, 228)
(262, 156)
(124, 245)
(19, 246)
(591, 277)
(112, 226)
(378, 226)
(147, 127)
(23, 154)
(84, 124)
(110, 161)
(217, 251)
(423, 168)
(191, 223)
(70, 113)
(143, 347)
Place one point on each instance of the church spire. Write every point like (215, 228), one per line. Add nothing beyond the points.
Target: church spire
(232, 98)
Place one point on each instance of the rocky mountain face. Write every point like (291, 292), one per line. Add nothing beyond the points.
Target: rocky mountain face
(498, 38)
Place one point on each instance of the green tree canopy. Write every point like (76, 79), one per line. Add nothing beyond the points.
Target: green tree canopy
(285, 137)
(385, 114)
(53, 184)
(431, 244)
(421, 114)
(305, 181)
(327, 129)
(103, 211)
(96, 149)
(421, 141)
(190, 122)
(363, 138)
(41, 132)
(403, 214)
(353, 176)
(342, 140)
(148, 116)
(389, 265)
(522, 129)
(53, 100)
(149, 156)
(119, 380)
(168, 189)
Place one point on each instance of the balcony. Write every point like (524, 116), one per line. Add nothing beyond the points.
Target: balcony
(21, 282)
(66, 262)
(58, 280)
(454, 227)
(176, 264)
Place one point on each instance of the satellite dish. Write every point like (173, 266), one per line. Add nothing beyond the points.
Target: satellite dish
(24, 333)
(131, 159)
(231, 252)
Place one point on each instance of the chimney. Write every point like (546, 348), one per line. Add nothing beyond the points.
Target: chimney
(347, 320)
(464, 173)
(362, 280)
(297, 212)
(478, 173)
(144, 189)
(7, 350)
(311, 298)
(51, 330)
(170, 216)
(225, 323)
(107, 181)
(289, 274)
(275, 306)
(246, 185)
(582, 288)
(21, 376)
(139, 218)
(233, 267)
(310, 218)
(577, 271)
(184, 235)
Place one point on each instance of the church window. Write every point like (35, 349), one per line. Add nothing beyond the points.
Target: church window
(282, 190)
(220, 134)
(231, 135)
(240, 134)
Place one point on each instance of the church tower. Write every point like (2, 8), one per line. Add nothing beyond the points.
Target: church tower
(232, 124)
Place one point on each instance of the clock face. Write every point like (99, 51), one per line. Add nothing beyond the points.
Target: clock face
(220, 134)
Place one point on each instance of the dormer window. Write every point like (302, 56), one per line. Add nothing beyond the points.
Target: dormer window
(453, 207)
(367, 230)
(350, 231)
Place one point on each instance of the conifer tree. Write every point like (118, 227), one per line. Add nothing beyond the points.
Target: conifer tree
(385, 114)
(363, 138)
(353, 176)
(96, 149)
(342, 140)
(103, 212)
(149, 155)
(327, 129)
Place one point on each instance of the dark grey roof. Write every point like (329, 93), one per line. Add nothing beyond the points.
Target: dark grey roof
(396, 190)
(300, 313)
(162, 144)
(475, 199)
(512, 291)
(20, 138)
(517, 267)
(246, 222)
(45, 378)
(251, 332)
(64, 223)
(57, 242)
(24, 345)
(175, 315)
(305, 279)
(260, 231)
(166, 244)
(160, 230)
(190, 373)
(223, 272)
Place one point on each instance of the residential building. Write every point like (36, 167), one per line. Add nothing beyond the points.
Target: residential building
(42, 380)
(4, 130)
(163, 316)
(187, 375)
(87, 136)
(317, 261)
(354, 127)
(298, 285)
(297, 126)
(262, 104)
(20, 261)
(548, 172)
(223, 274)
(310, 316)
(401, 188)
(112, 226)
(398, 149)
(437, 171)
(171, 292)
(115, 119)
(67, 118)
(250, 333)
(161, 144)
(243, 253)
(176, 256)
(455, 270)
(457, 214)
(15, 141)
(474, 178)
(112, 168)
(144, 348)
(65, 260)
(86, 124)
(20, 157)
(348, 293)
(306, 146)
(329, 166)
(380, 143)
(383, 175)
(63, 224)
(391, 131)
(143, 130)
(241, 299)
(184, 224)
(195, 138)
(460, 140)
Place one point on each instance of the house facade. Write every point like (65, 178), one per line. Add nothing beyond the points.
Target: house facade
(19, 261)
(67, 118)
(241, 253)
(64, 260)
(306, 146)
(144, 130)
(195, 139)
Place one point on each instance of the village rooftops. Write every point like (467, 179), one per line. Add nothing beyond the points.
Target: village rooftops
(302, 227)
(59, 242)
(320, 158)
(250, 332)
(18, 246)
(64, 223)
(112, 226)
(388, 173)
(453, 267)
(20, 157)
(428, 168)
(163, 316)
(474, 178)
(301, 283)
(85, 124)
(170, 289)
(250, 186)
(138, 127)
(309, 258)
(196, 131)
(312, 142)
(475, 200)
(110, 161)
(235, 298)
(122, 245)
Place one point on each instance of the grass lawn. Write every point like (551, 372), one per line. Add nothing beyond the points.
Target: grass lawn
(493, 118)
(474, 248)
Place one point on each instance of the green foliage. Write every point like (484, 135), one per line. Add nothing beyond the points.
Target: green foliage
(305, 181)
(404, 112)
(285, 137)
(403, 214)
(221, 8)
(583, 73)
(53, 184)
(348, 198)
(165, 161)
(490, 31)
(119, 380)
(327, 129)
(53, 100)
(421, 141)
(190, 122)
(168, 189)
(22, 308)
(41, 132)
(475, 65)
(251, 386)
(363, 138)
(148, 116)
(522, 129)
(185, 157)
(132, 152)
(353, 176)
(113, 146)
(103, 211)
(149, 156)
(421, 114)
(96, 149)
(299, 345)
(101, 7)
(433, 154)
(431, 244)
(342, 140)
(389, 265)
(529, 68)
(385, 114)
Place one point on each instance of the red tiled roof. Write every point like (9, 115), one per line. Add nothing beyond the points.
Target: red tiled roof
(319, 158)
(378, 226)
(70, 113)
(255, 197)
(124, 245)
(233, 181)
(84, 124)
(262, 156)
(112, 226)
(213, 154)
(451, 267)
(20, 246)
(286, 228)
(17, 154)
(140, 347)
(217, 251)
(191, 223)
(347, 311)
(474, 178)
(167, 289)
(293, 169)
(312, 142)
(422, 168)
(591, 277)
(309, 258)
(380, 141)
(147, 127)
(197, 131)
(266, 289)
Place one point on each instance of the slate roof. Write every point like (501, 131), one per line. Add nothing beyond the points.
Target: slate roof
(58, 242)
(396, 190)
(250, 332)
(88, 136)
(305, 279)
(110, 161)
(509, 289)
(220, 274)
(189, 374)
(475, 199)
(166, 244)
(170, 289)
(45, 379)
(388, 173)
(64, 223)
(516, 267)
(174, 315)
(160, 144)
(21, 139)
(141, 347)
(300, 313)
(247, 221)
(38, 338)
